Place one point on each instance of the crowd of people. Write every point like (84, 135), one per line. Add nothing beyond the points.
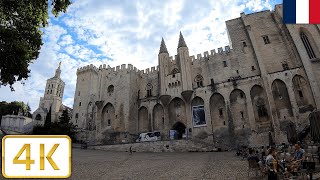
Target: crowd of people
(274, 161)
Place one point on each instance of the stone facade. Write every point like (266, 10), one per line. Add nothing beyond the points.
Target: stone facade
(267, 78)
(52, 99)
(16, 124)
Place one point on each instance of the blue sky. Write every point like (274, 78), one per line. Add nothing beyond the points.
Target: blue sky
(125, 32)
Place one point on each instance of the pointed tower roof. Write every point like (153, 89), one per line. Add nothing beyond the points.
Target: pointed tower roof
(58, 71)
(182, 43)
(163, 47)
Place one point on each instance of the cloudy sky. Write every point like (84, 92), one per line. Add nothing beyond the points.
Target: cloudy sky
(117, 32)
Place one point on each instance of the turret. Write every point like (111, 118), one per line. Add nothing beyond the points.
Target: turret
(58, 71)
(163, 58)
(184, 63)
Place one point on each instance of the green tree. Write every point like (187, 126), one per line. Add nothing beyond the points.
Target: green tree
(47, 122)
(63, 127)
(14, 108)
(20, 35)
(65, 118)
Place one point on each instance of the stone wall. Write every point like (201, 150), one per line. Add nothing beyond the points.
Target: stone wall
(158, 146)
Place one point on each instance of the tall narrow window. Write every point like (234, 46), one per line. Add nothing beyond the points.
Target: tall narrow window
(307, 45)
(225, 64)
(221, 111)
(244, 44)
(149, 88)
(285, 66)
(266, 39)
(199, 80)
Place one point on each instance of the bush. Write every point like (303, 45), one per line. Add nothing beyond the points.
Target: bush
(56, 128)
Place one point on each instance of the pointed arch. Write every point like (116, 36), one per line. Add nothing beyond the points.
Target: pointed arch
(309, 43)
(303, 94)
(260, 104)
(218, 110)
(158, 117)
(281, 99)
(177, 111)
(198, 112)
(38, 117)
(180, 128)
(143, 120)
(108, 116)
(239, 110)
(90, 116)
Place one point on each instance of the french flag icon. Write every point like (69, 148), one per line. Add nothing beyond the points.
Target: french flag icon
(301, 11)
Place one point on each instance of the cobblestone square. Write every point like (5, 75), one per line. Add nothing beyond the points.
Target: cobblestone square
(104, 165)
(95, 164)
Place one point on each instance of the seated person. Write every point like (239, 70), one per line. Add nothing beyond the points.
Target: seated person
(298, 157)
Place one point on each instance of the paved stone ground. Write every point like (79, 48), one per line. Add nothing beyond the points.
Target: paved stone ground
(96, 164)
(103, 165)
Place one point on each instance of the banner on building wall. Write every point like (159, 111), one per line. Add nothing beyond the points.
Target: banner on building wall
(198, 116)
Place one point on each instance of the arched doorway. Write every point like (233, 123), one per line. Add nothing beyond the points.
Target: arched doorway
(177, 111)
(180, 129)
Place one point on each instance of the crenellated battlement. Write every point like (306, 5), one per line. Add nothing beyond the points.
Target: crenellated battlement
(213, 53)
(90, 67)
(120, 68)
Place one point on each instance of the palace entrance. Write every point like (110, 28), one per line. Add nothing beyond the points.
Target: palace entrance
(180, 128)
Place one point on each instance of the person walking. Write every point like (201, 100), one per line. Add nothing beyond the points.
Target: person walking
(130, 150)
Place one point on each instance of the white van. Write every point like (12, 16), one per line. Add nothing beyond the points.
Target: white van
(149, 136)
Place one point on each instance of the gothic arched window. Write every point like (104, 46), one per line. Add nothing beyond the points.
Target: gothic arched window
(199, 80)
(149, 89)
(307, 45)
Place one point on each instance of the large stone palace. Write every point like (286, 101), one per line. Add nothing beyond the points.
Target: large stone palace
(267, 80)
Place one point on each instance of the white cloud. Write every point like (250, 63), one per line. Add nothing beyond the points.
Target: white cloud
(128, 32)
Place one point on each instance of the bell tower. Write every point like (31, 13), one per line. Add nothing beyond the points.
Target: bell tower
(53, 94)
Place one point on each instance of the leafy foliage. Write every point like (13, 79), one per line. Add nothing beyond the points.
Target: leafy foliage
(63, 127)
(14, 108)
(20, 35)
(65, 118)
(47, 122)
